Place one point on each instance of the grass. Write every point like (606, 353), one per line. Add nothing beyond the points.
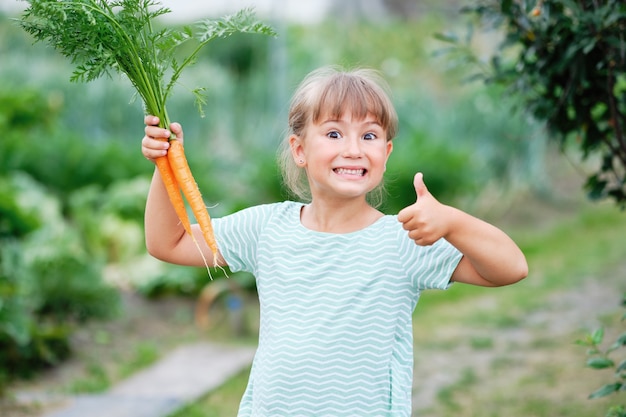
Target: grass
(98, 377)
(222, 402)
(502, 363)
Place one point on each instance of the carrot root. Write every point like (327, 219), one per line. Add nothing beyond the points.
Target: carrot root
(174, 194)
(186, 182)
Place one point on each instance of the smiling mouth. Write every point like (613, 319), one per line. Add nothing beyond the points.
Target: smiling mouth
(345, 171)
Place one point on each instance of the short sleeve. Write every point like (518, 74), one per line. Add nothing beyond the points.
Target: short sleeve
(429, 267)
(237, 236)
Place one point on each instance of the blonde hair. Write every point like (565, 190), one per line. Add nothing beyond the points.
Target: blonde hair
(330, 92)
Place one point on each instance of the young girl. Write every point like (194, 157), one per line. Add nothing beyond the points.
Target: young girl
(337, 280)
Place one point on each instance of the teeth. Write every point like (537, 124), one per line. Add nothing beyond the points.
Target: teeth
(345, 171)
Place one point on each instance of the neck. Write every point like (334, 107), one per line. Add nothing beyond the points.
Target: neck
(343, 217)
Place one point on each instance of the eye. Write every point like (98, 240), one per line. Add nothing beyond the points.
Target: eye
(333, 134)
(369, 136)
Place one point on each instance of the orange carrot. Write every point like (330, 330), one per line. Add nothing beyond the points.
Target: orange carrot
(186, 182)
(173, 192)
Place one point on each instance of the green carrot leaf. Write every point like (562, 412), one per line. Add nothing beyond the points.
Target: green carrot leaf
(243, 21)
(103, 37)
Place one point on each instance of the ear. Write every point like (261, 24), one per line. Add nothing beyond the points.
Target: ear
(297, 149)
(389, 150)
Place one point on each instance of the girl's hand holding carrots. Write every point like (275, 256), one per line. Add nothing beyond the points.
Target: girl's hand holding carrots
(169, 156)
(155, 143)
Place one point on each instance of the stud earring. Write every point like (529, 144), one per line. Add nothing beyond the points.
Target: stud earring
(301, 161)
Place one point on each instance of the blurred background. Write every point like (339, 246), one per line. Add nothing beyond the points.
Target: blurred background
(82, 305)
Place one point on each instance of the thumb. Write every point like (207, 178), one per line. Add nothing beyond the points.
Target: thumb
(177, 130)
(420, 187)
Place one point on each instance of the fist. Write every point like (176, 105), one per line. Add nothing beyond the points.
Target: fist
(155, 142)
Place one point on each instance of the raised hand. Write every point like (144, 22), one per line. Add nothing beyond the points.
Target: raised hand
(427, 219)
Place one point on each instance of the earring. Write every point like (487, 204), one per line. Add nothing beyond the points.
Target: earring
(301, 161)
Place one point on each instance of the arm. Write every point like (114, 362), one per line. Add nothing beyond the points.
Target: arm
(490, 257)
(166, 238)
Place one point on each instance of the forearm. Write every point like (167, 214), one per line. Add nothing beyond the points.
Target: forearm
(491, 254)
(163, 228)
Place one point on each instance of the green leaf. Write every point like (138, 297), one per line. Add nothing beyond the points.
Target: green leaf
(596, 187)
(200, 99)
(507, 6)
(447, 37)
(605, 390)
(600, 363)
(597, 336)
(589, 47)
(620, 342)
(243, 21)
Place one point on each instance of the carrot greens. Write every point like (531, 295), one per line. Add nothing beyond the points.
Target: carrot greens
(104, 37)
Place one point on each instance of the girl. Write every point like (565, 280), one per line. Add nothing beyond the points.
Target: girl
(337, 280)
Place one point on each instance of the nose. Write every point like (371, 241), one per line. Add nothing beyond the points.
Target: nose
(352, 147)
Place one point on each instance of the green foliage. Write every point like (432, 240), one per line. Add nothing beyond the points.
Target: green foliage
(175, 280)
(22, 109)
(15, 222)
(48, 283)
(66, 163)
(34, 143)
(566, 60)
(103, 37)
(26, 342)
(110, 218)
(421, 153)
(67, 285)
(601, 358)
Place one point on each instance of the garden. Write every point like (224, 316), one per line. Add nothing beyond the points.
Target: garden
(82, 305)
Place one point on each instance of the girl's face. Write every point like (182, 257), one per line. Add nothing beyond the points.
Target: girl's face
(344, 157)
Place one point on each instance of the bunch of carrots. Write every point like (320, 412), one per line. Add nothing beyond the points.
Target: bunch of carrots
(177, 176)
(107, 36)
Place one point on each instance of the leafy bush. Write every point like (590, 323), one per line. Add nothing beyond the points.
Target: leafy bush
(110, 219)
(601, 358)
(47, 280)
(421, 153)
(566, 61)
(65, 284)
(14, 222)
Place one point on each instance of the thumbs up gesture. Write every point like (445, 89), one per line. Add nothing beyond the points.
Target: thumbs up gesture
(427, 220)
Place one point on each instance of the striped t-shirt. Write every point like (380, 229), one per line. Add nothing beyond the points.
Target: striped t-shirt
(335, 335)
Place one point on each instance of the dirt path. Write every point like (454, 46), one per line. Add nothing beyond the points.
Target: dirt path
(532, 353)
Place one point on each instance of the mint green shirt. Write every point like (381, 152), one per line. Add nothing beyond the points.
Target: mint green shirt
(336, 334)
